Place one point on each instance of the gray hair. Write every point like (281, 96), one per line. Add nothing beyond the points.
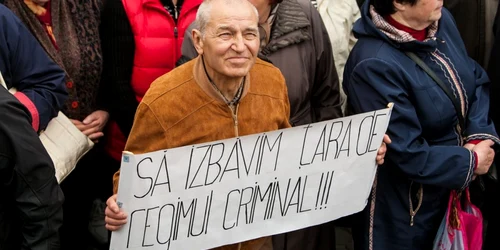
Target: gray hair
(203, 14)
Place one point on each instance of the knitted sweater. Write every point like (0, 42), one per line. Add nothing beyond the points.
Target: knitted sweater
(75, 27)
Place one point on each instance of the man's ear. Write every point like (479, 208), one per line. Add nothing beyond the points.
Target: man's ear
(197, 41)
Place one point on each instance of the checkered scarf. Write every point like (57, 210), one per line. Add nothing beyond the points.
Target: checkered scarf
(396, 35)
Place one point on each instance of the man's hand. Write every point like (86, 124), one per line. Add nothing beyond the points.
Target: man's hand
(93, 124)
(383, 149)
(115, 217)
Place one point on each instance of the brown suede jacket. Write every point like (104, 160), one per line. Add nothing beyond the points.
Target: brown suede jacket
(182, 108)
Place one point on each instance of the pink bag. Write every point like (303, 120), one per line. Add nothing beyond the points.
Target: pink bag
(462, 227)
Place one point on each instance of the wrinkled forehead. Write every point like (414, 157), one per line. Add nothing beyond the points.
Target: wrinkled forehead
(234, 27)
(241, 16)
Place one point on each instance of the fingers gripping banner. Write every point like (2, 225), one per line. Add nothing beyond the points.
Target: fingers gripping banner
(213, 194)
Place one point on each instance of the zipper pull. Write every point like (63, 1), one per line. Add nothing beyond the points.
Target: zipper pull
(411, 220)
(175, 32)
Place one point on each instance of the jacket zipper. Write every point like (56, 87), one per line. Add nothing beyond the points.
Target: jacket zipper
(234, 113)
(175, 42)
(176, 14)
(176, 21)
(176, 32)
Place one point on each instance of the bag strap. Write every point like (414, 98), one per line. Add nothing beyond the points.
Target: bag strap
(430, 72)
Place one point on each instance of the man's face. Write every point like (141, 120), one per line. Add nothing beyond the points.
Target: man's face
(231, 41)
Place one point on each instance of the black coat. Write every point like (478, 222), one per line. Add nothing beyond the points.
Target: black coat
(471, 22)
(30, 197)
(494, 74)
(491, 241)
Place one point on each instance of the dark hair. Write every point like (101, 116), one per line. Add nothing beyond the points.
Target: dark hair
(273, 2)
(386, 7)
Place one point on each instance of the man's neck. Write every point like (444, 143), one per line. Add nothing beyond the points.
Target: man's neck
(202, 80)
(227, 86)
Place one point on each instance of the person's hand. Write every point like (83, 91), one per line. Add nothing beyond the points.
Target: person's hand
(97, 120)
(469, 146)
(93, 124)
(383, 149)
(485, 155)
(115, 217)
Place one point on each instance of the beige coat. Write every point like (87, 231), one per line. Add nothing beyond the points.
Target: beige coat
(339, 17)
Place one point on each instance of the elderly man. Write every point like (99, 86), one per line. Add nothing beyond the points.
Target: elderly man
(225, 92)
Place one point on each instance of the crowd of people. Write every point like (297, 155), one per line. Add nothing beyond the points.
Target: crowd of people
(148, 75)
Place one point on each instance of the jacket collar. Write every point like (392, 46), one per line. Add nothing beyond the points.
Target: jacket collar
(290, 27)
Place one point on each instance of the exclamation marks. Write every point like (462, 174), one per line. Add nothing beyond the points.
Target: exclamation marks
(325, 184)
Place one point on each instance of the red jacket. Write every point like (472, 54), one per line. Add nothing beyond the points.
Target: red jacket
(158, 41)
(157, 38)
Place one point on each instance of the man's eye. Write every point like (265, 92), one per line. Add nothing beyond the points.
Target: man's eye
(250, 36)
(226, 35)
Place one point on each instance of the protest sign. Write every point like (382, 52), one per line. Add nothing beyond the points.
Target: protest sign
(218, 193)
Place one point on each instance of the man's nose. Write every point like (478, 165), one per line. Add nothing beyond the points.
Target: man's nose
(238, 44)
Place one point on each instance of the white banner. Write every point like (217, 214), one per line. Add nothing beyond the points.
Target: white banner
(213, 194)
